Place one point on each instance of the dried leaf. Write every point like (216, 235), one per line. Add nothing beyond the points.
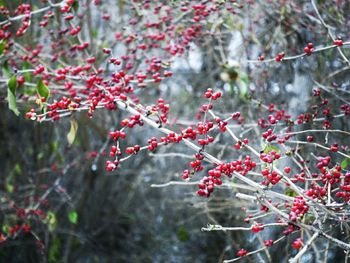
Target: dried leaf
(72, 132)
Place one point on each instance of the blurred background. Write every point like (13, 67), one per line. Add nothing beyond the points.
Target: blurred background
(95, 216)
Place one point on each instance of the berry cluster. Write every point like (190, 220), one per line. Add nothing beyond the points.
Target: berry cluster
(210, 94)
(279, 57)
(270, 156)
(309, 49)
(299, 208)
(271, 176)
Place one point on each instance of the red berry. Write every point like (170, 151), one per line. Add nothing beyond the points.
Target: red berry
(242, 252)
(297, 244)
(257, 228)
(237, 146)
(268, 243)
(287, 169)
(309, 138)
(334, 148)
(26, 228)
(338, 42)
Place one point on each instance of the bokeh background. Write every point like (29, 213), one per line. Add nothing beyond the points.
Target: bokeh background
(119, 216)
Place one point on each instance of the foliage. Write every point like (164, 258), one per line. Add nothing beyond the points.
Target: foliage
(252, 98)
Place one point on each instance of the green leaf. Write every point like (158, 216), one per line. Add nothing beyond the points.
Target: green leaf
(2, 46)
(308, 218)
(11, 94)
(269, 148)
(43, 90)
(55, 249)
(6, 70)
(121, 7)
(18, 169)
(51, 220)
(94, 33)
(6, 228)
(12, 84)
(73, 217)
(290, 192)
(72, 132)
(345, 163)
(9, 187)
(27, 75)
(40, 155)
(75, 6)
(283, 11)
(182, 234)
(30, 91)
(243, 86)
(54, 147)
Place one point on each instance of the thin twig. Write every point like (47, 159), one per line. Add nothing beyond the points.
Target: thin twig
(304, 249)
